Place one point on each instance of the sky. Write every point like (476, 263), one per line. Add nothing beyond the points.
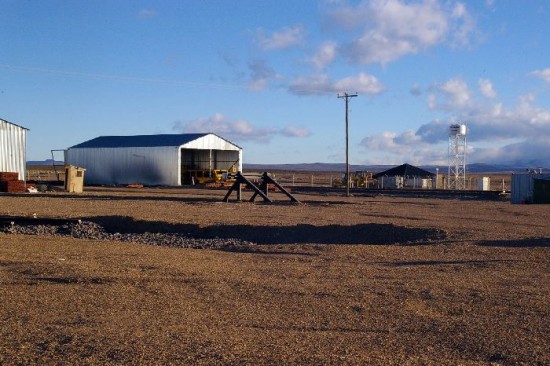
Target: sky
(266, 75)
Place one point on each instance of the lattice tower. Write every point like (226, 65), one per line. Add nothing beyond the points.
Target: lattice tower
(457, 157)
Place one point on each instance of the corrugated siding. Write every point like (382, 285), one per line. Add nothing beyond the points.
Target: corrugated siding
(205, 159)
(13, 141)
(211, 141)
(226, 159)
(144, 165)
(522, 188)
(156, 165)
(225, 150)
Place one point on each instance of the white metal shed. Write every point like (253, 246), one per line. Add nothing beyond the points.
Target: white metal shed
(13, 148)
(152, 159)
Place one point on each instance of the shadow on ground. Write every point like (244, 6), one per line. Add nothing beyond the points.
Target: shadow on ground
(473, 262)
(95, 197)
(296, 234)
(278, 198)
(408, 193)
(518, 243)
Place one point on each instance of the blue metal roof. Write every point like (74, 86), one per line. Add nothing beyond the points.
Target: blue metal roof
(140, 140)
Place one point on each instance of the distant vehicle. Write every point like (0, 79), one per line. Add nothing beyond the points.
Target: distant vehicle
(359, 178)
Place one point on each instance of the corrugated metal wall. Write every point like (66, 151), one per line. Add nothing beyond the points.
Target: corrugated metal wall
(210, 141)
(523, 187)
(144, 165)
(226, 150)
(192, 159)
(13, 144)
(153, 165)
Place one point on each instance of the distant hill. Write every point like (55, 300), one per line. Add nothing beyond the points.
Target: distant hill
(48, 162)
(341, 167)
(306, 167)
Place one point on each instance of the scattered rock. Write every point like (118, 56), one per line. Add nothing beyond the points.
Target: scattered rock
(93, 231)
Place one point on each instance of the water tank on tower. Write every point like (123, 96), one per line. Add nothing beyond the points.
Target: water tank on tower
(457, 156)
(457, 130)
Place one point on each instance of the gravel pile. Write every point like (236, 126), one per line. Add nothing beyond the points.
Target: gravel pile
(92, 231)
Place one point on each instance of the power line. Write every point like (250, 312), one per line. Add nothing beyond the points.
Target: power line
(97, 76)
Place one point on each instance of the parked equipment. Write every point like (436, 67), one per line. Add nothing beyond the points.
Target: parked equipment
(359, 178)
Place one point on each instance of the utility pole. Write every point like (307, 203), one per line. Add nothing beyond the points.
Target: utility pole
(346, 96)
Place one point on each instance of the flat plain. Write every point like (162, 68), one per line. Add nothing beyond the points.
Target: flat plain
(370, 279)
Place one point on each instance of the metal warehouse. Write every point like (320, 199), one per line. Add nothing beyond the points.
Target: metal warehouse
(170, 159)
(13, 145)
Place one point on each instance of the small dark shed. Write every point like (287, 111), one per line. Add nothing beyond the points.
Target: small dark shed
(405, 175)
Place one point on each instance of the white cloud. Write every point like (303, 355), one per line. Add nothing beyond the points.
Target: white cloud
(293, 131)
(543, 74)
(391, 142)
(517, 134)
(527, 154)
(147, 13)
(348, 17)
(432, 101)
(287, 37)
(260, 75)
(459, 10)
(486, 88)
(322, 84)
(362, 83)
(415, 90)
(325, 55)
(238, 130)
(395, 28)
(494, 122)
(457, 91)
(312, 85)
(462, 26)
(398, 148)
(453, 94)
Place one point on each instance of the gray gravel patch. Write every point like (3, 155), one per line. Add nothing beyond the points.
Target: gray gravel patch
(93, 231)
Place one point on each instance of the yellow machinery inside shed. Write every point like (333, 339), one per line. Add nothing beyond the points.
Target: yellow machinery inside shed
(207, 166)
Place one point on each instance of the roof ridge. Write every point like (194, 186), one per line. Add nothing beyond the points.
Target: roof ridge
(156, 140)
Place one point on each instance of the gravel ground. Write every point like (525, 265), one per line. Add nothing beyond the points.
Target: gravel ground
(370, 280)
(92, 231)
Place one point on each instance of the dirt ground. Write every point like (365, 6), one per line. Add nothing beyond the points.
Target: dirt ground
(362, 280)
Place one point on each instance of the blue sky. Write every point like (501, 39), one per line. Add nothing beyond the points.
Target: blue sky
(266, 75)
